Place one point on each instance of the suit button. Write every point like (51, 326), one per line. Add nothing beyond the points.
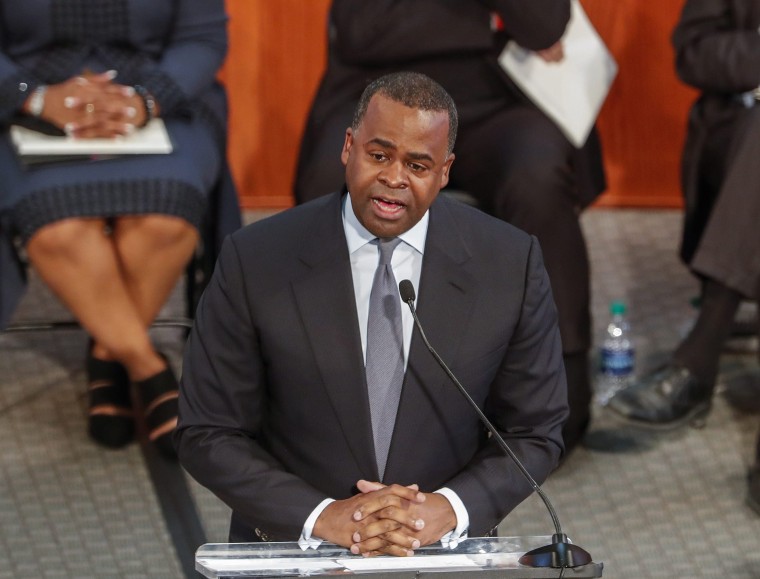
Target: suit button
(261, 535)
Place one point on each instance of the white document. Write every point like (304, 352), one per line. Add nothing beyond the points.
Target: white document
(151, 139)
(305, 565)
(417, 562)
(572, 91)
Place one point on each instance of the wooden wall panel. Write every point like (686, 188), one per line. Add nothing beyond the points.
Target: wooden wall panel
(643, 121)
(277, 54)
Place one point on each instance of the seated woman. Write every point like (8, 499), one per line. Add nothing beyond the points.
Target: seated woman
(112, 237)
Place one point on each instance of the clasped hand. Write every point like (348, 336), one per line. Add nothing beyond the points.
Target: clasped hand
(555, 53)
(390, 520)
(94, 106)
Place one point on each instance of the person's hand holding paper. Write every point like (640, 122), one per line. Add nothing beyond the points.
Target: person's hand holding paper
(570, 89)
(555, 53)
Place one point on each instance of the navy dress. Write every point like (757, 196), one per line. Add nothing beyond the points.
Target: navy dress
(174, 48)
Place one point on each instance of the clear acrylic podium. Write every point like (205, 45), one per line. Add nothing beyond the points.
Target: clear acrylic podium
(477, 558)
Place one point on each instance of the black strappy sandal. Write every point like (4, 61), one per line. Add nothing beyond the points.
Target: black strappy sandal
(159, 395)
(111, 419)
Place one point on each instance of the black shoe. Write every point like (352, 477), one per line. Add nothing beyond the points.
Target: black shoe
(753, 492)
(111, 418)
(666, 399)
(159, 395)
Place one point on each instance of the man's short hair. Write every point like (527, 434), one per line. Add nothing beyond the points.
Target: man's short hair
(414, 90)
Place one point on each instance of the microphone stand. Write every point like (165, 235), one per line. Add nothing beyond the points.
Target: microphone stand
(560, 553)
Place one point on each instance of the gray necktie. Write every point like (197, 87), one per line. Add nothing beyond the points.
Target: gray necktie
(385, 352)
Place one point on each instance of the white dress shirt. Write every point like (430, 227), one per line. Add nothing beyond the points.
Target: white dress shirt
(406, 264)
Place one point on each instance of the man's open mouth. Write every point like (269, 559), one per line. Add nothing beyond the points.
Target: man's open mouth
(386, 205)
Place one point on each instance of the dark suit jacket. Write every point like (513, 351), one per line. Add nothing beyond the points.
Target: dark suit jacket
(274, 413)
(718, 52)
(451, 41)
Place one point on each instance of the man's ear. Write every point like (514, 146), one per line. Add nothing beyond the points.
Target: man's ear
(347, 144)
(445, 170)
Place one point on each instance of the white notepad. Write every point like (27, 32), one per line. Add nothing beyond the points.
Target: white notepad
(150, 140)
(572, 91)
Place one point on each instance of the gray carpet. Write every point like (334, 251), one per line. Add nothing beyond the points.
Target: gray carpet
(667, 506)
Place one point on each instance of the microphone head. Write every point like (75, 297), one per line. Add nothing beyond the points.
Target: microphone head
(406, 289)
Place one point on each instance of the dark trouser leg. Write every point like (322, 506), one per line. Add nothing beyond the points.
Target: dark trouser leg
(700, 350)
(753, 492)
(518, 165)
(578, 397)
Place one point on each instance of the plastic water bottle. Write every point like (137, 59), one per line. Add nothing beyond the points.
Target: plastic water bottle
(617, 355)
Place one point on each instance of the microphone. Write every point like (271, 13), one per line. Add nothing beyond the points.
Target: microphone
(561, 553)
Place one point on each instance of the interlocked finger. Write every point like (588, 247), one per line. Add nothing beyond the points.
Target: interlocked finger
(379, 545)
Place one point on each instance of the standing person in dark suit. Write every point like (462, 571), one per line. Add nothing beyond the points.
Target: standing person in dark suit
(277, 415)
(718, 52)
(510, 156)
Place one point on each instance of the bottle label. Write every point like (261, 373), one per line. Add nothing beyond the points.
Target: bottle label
(617, 362)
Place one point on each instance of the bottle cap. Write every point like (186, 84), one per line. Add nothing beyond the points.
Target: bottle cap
(617, 308)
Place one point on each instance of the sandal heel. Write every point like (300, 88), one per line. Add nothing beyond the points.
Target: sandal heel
(110, 419)
(159, 395)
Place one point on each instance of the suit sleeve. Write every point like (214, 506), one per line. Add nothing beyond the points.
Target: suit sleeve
(389, 31)
(16, 83)
(221, 407)
(192, 57)
(533, 24)
(712, 53)
(528, 406)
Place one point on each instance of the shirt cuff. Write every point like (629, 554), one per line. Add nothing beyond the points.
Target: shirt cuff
(306, 541)
(454, 537)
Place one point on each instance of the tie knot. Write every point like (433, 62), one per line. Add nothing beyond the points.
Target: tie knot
(386, 247)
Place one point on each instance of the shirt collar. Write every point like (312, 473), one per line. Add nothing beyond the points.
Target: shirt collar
(357, 235)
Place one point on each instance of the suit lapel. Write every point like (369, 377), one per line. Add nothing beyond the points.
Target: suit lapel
(327, 305)
(445, 296)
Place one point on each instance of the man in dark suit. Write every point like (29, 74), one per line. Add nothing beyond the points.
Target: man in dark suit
(718, 52)
(510, 156)
(277, 415)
